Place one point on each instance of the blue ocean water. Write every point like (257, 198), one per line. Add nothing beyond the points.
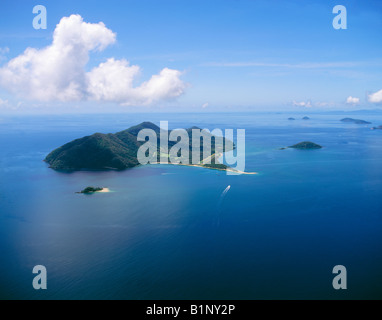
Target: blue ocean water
(155, 236)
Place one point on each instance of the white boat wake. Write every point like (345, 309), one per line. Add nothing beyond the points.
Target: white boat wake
(222, 196)
(225, 192)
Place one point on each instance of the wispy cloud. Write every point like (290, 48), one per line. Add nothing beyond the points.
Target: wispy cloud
(3, 103)
(306, 104)
(310, 104)
(3, 53)
(305, 65)
(4, 50)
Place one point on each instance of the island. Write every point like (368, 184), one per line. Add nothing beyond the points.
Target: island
(356, 121)
(377, 128)
(91, 190)
(119, 151)
(306, 118)
(291, 119)
(305, 145)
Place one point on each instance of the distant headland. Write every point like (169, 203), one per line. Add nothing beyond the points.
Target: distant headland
(356, 121)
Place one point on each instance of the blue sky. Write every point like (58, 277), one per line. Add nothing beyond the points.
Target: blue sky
(232, 54)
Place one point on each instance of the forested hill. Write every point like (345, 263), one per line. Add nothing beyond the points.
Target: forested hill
(114, 151)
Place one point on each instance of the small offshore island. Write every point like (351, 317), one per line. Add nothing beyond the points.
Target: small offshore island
(305, 145)
(119, 151)
(91, 190)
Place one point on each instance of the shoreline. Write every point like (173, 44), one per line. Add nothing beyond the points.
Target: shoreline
(210, 168)
(217, 156)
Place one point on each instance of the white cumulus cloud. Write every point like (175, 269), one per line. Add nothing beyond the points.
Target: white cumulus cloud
(352, 100)
(376, 97)
(113, 81)
(57, 72)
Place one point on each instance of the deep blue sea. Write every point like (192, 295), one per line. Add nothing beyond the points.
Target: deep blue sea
(167, 232)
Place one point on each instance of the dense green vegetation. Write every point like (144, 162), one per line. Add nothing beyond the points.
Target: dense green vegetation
(219, 166)
(119, 151)
(306, 145)
(98, 151)
(91, 190)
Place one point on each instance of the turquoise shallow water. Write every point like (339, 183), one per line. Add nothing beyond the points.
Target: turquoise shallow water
(165, 232)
